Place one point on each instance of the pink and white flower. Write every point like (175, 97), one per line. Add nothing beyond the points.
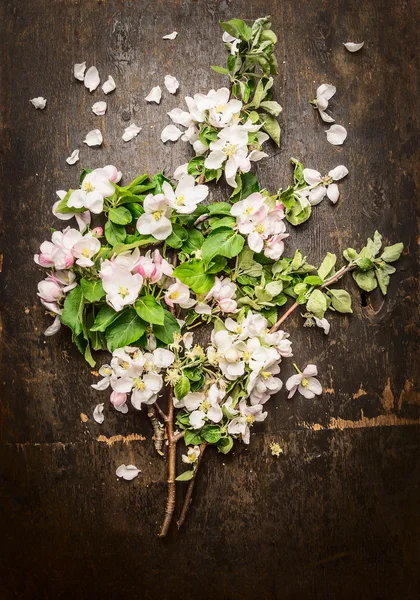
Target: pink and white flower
(85, 249)
(324, 186)
(230, 151)
(154, 267)
(156, 218)
(248, 416)
(120, 285)
(96, 186)
(179, 293)
(224, 291)
(59, 252)
(186, 196)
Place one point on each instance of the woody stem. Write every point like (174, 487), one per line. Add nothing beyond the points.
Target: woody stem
(190, 489)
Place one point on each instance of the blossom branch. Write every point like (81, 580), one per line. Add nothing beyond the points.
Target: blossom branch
(190, 489)
(158, 430)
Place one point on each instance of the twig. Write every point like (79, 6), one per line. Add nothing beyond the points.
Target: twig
(294, 306)
(158, 430)
(190, 489)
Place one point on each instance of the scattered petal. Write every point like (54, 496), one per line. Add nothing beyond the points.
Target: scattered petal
(353, 46)
(155, 95)
(99, 108)
(92, 79)
(52, 329)
(324, 324)
(131, 132)
(171, 84)
(336, 135)
(333, 192)
(73, 158)
(122, 409)
(98, 413)
(39, 102)
(128, 472)
(93, 138)
(79, 70)
(109, 85)
(325, 116)
(338, 172)
(170, 36)
(170, 132)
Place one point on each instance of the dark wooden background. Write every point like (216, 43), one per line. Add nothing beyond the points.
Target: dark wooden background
(337, 516)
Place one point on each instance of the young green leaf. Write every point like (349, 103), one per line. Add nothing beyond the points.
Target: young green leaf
(327, 266)
(271, 126)
(182, 387)
(365, 280)
(125, 330)
(72, 314)
(317, 304)
(177, 237)
(341, 301)
(185, 476)
(105, 317)
(165, 332)
(92, 290)
(382, 275)
(114, 234)
(192, 438)
(120, 216)
(211, 433)
(225, 445)
(392, 253)
(149, 309)
(193, 274)
(222, 242)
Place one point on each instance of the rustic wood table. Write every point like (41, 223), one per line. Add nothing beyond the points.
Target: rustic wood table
(337, 515)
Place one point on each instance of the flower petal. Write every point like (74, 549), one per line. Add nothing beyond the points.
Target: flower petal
(336, 135)
(98, 413)
(317, 195)
(155, 95)
(79, 70)
(99, 108)
(92, 79)
(170, 36)
(326, 91)
(181, 171)
(311, 176)
(353, 46)
(325, 117)
(73, 158)
(93, 138)
(109, 85)
(170, 132)
(130, 132)
(171, 84)
(339, 172)
(39, 102)
(333, 193)
(52, 329)
(128, 472)
(310, 370)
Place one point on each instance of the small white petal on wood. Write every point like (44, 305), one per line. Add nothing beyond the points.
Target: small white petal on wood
(128, 472)
(336, 134)
(99, 108)
(93, 138)
(353, 46)
(170, 132)
(39, 102)
(154, 95)
(170, 36)
(92, 79)
(109, 85)
(52, 329)
(131, 132)
(171, 84)
(122, 409)
(98, 413)
(79, 70)
(73, 158)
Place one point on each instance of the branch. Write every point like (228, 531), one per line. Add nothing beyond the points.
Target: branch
(294, 306)
(190, 489)
(158, 430)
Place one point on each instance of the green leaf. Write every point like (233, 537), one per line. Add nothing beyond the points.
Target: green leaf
(298, 172)
(137, 181)
(185, 476)
(373, 246)
(194, 241)
(92, 290)
(72, 314)
(211, 433)
(317, 304)
(382, 275)
(120, 215)
(217, 264)
(177, 237)
(392, 253)
(222, 242)
(182, 387)
(135, 209)
(274, 288)
(88, 356)
(327, 265)
(271, 126)
(225, 445)
(165, 332)
(143, 240)
(125, 330)
(105, 317)
(64, 209)
(192, 438)
(350, 254)
(287, 197)
(114, 234)
(224, 222)
(341, 301)
(364, 264)
(149, 309)
(249, 184)
(273, 108)
(193, 274)
(365, 280)
(219, 208)
(313, 280)
(259, 94)
(298, 215)
(221, 70)
(237, 28)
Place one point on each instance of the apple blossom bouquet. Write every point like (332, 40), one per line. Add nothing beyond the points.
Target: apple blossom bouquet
(167, 259)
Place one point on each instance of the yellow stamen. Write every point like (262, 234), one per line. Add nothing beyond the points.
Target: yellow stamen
(205, 405)
(123, 291)
(250, 419)
(259, 228)
(180, 200)
(139, 383)
(88, 187)
(157, 214)
(304, 382)
(85, 252)
(230, 149)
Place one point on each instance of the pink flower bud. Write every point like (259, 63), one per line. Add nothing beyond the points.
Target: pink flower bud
(97, 232)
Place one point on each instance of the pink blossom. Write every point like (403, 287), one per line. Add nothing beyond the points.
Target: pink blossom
(118, 398)
(153, 267)
(178, 293)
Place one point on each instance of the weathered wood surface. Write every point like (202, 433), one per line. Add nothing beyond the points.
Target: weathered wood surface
(337, 515)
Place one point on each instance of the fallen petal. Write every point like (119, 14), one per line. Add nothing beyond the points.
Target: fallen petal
(333, 192)
(73, 158)
(336, 135)
(155, 95)
(325, 117)
(109, 85)
(353, 46)
(98, 413)
(130, 132)
(79, 70)
(39, 102)
(122, 409)
(338, 172)
(99, 108)
(52, 329)
(170, 36)
(92, 79)
(93, 138)
(128, 472)
(171, 84)
(170, 132)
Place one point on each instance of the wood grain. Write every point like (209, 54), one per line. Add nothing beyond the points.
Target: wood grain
(336, 517)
